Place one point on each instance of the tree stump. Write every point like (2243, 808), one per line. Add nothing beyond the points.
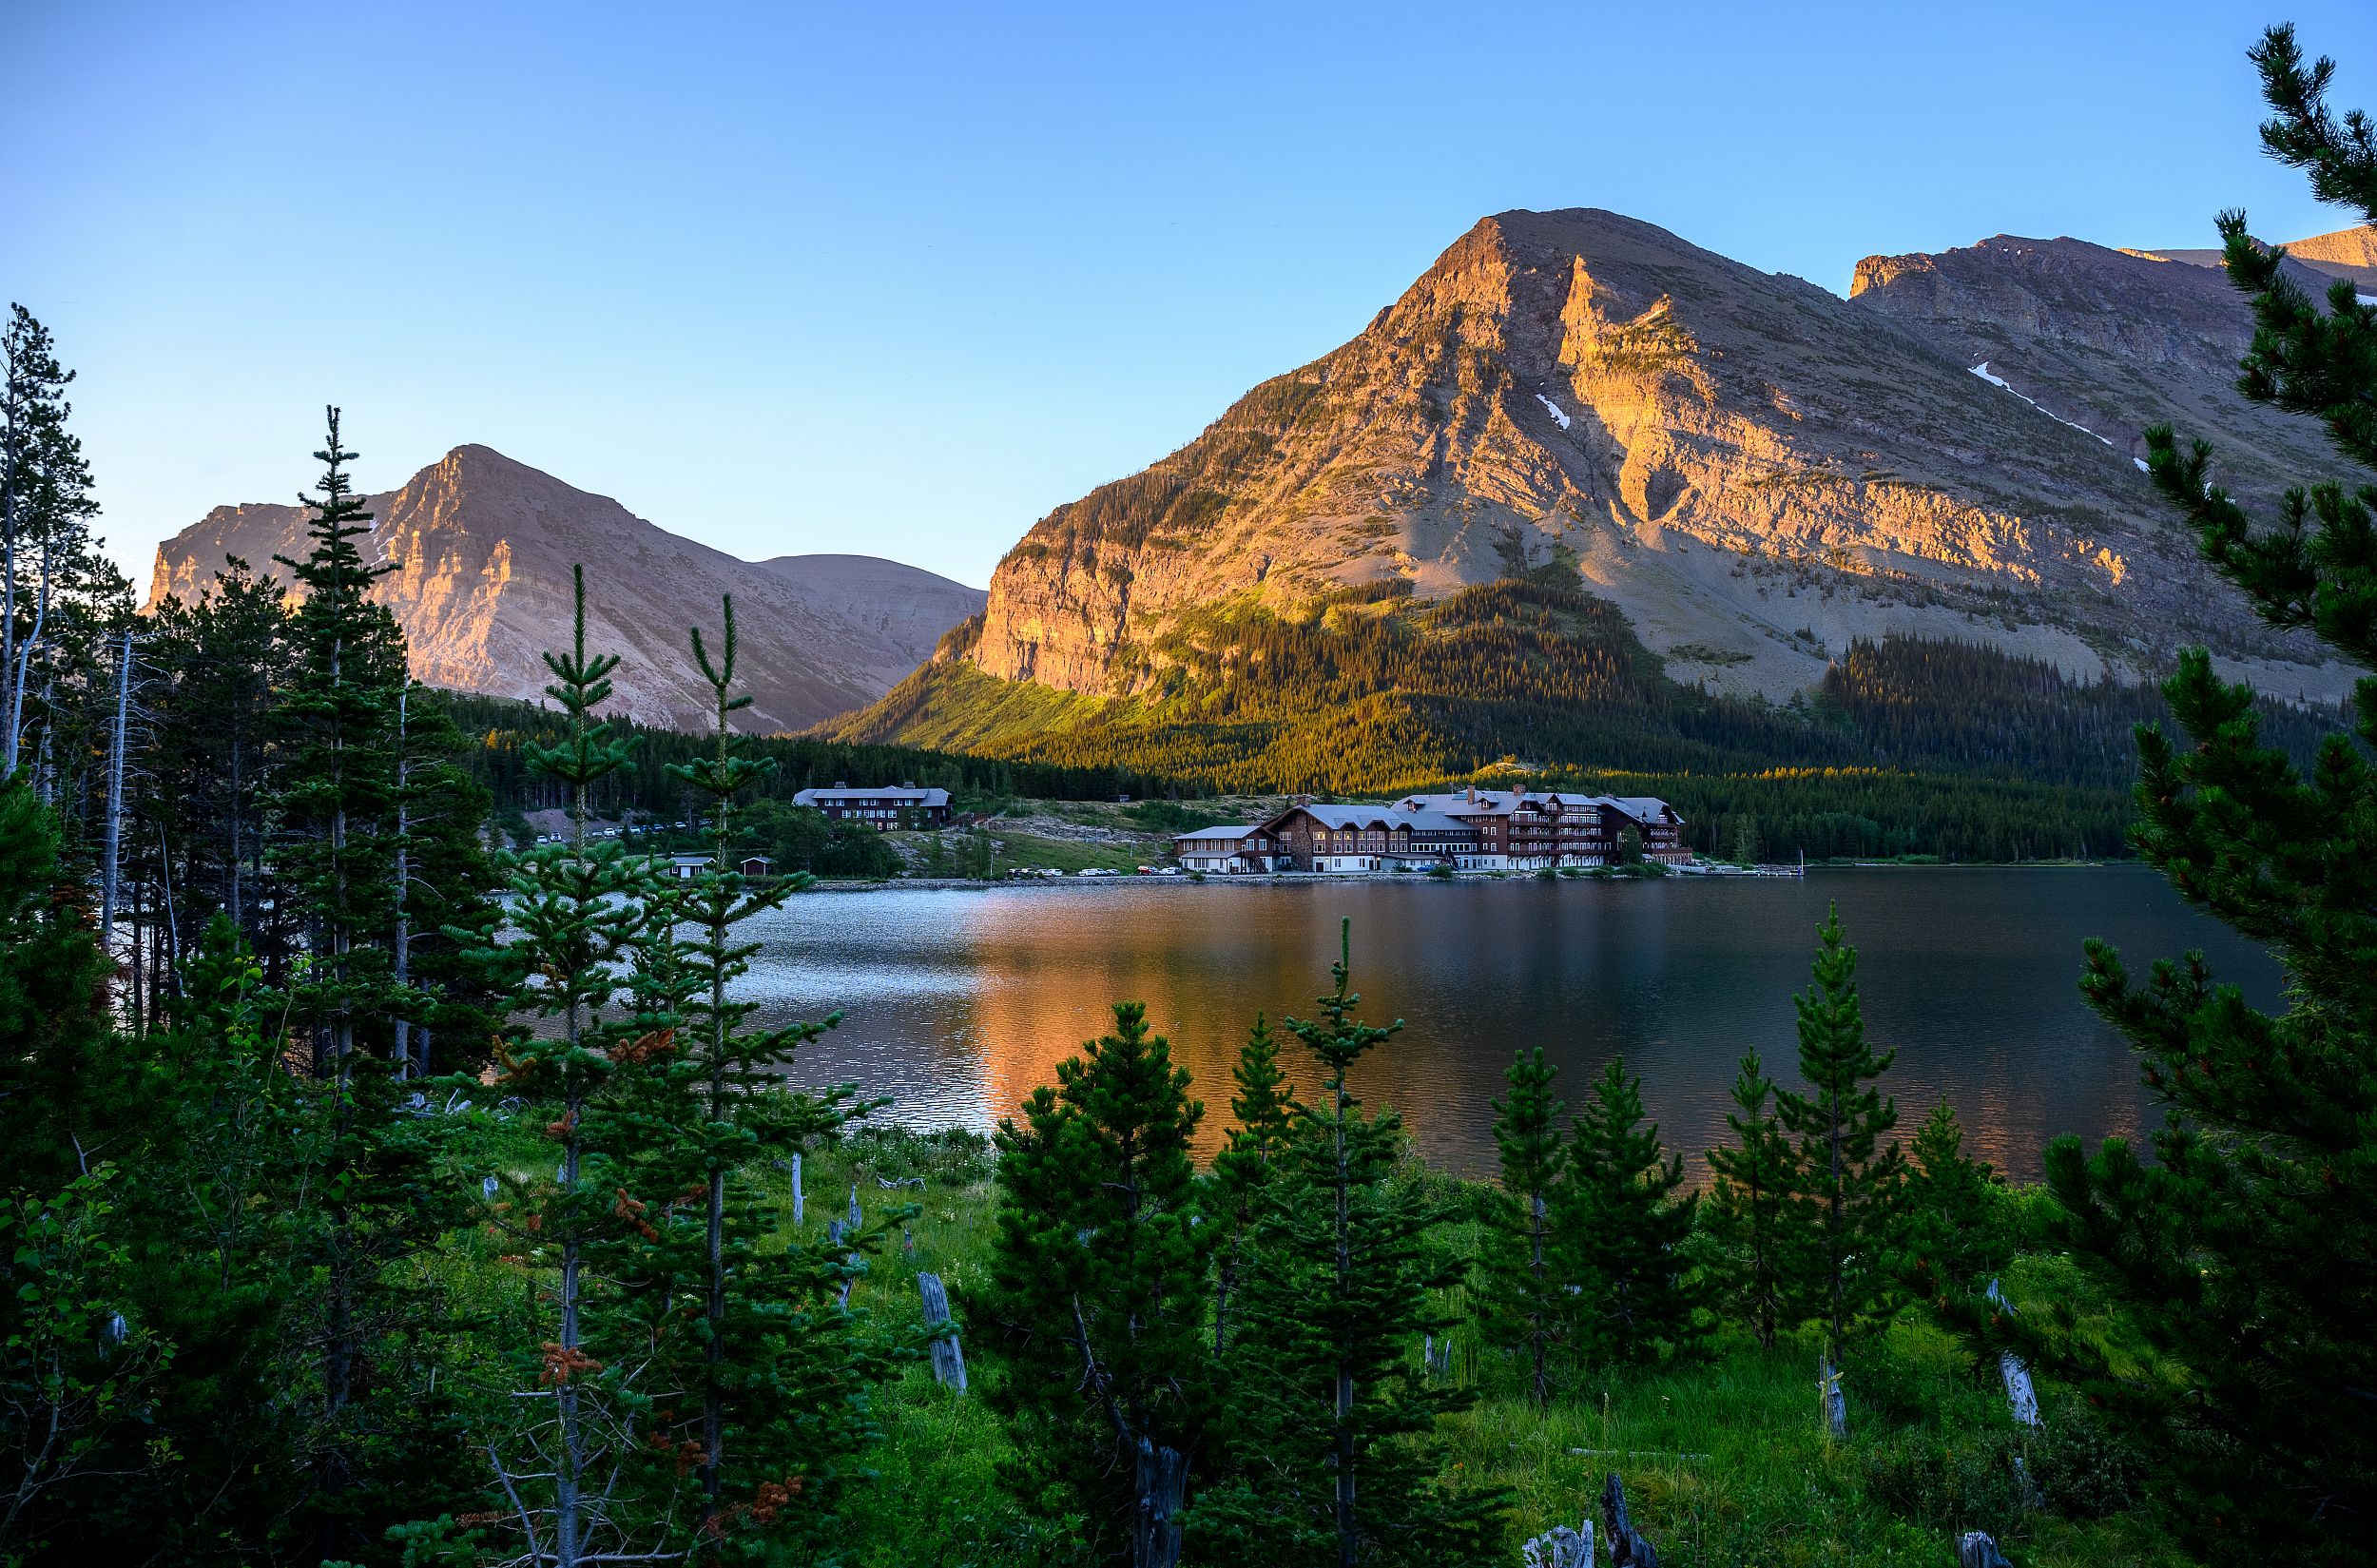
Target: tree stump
(948, 1360)
(1975, 1549)
(2021, 1396)
(1628, 1549)
(1834, 1398)
(1163, 1480)
(1560, 1547)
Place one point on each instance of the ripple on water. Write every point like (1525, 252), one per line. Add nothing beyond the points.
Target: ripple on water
(958, 1003)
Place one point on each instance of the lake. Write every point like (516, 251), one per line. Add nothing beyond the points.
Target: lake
(957, 1003)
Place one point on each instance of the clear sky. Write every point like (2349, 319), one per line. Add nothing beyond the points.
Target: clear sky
(897, 279)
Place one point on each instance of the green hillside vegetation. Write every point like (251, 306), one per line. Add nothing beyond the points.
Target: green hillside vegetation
(1910, 745)
(504, 729)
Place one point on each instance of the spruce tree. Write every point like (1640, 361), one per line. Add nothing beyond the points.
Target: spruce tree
(1245, 1170)
(1629, 1226)
(1850, 1179)
(222, 1237)
(1958, 1230)
(379, 1183)
(210, 762)
(779, 1360)
(45, 508)
(335, 801)
(439, 877)
(1528, 1308)
(1332, 1428)
(2244, 1259)
(1096, 1291)
(576, 1473)
(1754, 1212)
(54, 1103)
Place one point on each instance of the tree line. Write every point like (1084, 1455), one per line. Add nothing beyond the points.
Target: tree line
(503, 732)
(1908, 745)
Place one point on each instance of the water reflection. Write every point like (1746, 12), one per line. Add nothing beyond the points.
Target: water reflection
(958, 1003)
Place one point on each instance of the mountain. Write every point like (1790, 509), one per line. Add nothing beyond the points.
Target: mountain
(1754, 472)
(2349, 253)
(483, 546)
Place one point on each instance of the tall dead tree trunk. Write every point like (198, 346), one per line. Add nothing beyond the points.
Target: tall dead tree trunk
(404, 970)
(111, 843)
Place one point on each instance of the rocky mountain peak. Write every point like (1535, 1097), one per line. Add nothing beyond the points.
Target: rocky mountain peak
(482, 547)
(1755, 470)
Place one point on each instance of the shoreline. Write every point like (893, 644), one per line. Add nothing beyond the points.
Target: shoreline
(1305, 878)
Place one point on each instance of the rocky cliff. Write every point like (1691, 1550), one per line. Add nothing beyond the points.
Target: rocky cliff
(482, 548)
(2349, 253)
(1755, 470)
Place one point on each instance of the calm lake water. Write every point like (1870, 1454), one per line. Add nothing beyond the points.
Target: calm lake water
(958, 1003)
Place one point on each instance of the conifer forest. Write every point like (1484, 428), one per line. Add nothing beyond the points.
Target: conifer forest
(388, 1178)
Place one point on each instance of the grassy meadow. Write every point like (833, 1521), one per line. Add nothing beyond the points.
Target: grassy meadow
(1723, 1453)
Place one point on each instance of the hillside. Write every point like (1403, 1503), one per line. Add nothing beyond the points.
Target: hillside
(1737, 473)
(483, 546)
(2349, 253)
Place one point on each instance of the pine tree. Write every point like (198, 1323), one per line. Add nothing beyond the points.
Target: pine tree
(1848, 1176)
(1754, 1212)
(221, 1233)
(1529, 1306)
(1096, 1290)
(210, 766)
(1958, 1230)
(382, 1201)
(1246, 1171)
(335, 804)
(1629, 1226)
(438, 878)
(45, 510)
(2244, 1260)
(1333, 1451)
(82, 1356)
(54, 1108)
(572, 1467)
(778, 1357)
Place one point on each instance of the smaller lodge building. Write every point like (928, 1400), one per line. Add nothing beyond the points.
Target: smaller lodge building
(884, 805)
(1473, 830)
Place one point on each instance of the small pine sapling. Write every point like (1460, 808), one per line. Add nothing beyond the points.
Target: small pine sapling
(1754, 1212)
(1529, 1306)
(1627, 1227)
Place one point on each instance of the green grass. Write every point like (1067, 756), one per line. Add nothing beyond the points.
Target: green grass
(1723, 1455)
(1072, 855)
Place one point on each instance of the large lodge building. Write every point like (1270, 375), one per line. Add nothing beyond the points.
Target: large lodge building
(1476, 830)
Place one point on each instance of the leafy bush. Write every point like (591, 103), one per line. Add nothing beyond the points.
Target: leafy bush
(799, 839)
(950, 1156)
(2084, 1468)
(1950, 1484)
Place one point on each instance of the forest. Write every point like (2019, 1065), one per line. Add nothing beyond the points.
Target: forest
(1908, 746)
(375, 1193)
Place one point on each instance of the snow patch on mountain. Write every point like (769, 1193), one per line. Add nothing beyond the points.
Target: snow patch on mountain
(1982, 370)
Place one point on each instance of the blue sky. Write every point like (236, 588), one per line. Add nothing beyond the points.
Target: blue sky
(898, 279)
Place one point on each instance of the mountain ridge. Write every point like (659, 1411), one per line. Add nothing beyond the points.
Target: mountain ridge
(1756, 471)
(482, 544)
